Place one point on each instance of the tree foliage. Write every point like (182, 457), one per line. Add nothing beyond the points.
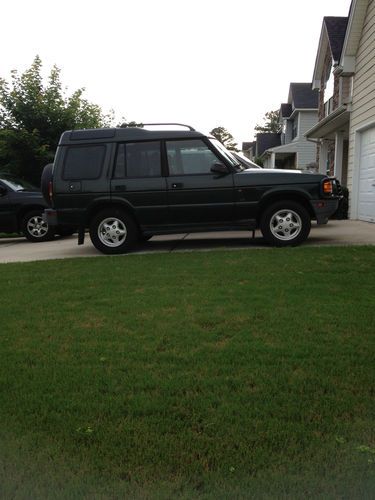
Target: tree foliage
(126, 124)
(33, 114)
(271, 123)
(225, 137)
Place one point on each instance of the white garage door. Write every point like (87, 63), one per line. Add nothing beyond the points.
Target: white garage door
(366, 195)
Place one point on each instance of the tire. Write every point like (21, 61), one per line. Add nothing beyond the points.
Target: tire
(34, 228)
(45, 180)
(113, 231)
(285, 223)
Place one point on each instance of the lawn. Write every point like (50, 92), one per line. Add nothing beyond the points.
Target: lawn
(242, 374)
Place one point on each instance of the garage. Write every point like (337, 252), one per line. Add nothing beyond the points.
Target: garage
(366, 193)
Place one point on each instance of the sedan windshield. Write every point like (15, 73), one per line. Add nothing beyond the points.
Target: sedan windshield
(227, 154)
(18, 184)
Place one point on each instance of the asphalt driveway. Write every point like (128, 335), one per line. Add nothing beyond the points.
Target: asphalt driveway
(334, 233)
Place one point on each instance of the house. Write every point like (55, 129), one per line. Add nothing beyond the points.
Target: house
(247, 149)
(332, 130)
(357, 62)
(344, 74)
(297, 116)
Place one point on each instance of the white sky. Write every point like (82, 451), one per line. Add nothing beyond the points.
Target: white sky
(207, 63)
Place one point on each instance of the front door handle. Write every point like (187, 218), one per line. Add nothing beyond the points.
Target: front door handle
(120, 187)
(177, 185)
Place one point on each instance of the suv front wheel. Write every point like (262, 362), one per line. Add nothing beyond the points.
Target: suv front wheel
(285, 223)
(113, 231)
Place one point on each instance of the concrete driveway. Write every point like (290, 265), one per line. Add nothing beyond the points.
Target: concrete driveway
(334, 233)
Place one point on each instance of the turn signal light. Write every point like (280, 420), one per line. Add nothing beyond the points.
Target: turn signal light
(327, 187)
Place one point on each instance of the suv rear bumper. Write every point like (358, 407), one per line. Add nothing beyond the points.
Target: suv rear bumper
(324, 208)
(74, 218)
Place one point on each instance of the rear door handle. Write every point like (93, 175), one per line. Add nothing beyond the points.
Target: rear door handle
(120, 187)
(177, 185)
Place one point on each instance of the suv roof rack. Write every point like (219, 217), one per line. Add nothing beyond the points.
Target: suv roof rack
(178, 124)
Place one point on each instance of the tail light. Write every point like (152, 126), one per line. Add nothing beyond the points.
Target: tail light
(327, 187)
(50, 191)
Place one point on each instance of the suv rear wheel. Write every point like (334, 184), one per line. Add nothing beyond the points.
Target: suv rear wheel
(113, 231)
(34, 228)
(285, 223)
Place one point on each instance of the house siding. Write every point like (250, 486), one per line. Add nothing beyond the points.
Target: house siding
(306, 149)
(363, 101)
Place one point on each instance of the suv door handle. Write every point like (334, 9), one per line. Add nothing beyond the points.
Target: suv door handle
(120, 187)
(177, 185)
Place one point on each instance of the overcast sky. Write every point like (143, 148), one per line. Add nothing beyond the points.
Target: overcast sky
(207, 63)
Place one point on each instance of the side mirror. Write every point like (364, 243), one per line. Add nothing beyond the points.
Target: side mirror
(219, 168)
(3, 191)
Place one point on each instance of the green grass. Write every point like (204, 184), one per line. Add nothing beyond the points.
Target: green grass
(243, 374)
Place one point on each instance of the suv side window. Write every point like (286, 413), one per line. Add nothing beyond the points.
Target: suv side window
(138, 159)
(83, 162)
(190, 157)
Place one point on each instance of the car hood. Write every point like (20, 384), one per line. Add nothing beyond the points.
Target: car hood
(255, 176)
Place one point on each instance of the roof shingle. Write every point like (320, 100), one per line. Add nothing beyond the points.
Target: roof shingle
(336, 29)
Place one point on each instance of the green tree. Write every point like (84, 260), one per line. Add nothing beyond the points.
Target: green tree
(126, 124)
(271, 123)
(225, 137)
(33, 114)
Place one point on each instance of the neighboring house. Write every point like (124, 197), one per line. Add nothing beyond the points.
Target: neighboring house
(345, 76)
(263, 141)
(297, 116)
(247, 149)
(332, 130)
(358, 59)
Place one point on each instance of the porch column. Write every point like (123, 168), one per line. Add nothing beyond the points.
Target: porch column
(272, 162)
(339, 149)
(323, 156)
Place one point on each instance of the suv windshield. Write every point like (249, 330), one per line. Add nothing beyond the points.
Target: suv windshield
(227, 154)
(18, 184)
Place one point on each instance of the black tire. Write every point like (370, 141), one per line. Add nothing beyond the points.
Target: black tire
(113, 231)
(45, 180)
(34, 228)
(285, 223)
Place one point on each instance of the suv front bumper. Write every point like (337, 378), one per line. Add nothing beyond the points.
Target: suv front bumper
(324, 208)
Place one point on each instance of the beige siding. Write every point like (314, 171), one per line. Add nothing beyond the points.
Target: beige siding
(363, 104)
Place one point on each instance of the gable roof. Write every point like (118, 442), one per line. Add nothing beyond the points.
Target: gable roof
(266, 141)
(301, 96)
(247, 145)
(356, 19)
(332, 38)
(336, 29)
(285, 110)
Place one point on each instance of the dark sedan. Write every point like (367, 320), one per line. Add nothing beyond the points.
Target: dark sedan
(21, 209)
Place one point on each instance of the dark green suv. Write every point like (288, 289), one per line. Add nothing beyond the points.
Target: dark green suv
(131, 183)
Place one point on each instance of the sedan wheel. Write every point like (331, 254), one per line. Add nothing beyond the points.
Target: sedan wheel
(34, 228)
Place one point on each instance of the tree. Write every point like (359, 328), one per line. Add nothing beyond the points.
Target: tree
(33, 115)
(226, 138)
(271, 123)
(125, 124)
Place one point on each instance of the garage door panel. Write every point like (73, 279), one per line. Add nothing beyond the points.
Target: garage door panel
(366, 194)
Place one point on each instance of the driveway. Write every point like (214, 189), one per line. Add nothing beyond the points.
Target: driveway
(334, 233)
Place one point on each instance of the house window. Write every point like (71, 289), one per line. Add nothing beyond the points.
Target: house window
(294, 128)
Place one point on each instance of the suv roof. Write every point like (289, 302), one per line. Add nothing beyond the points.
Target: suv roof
(127, 134)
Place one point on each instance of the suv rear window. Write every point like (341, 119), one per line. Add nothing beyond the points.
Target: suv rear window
(83, 162)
